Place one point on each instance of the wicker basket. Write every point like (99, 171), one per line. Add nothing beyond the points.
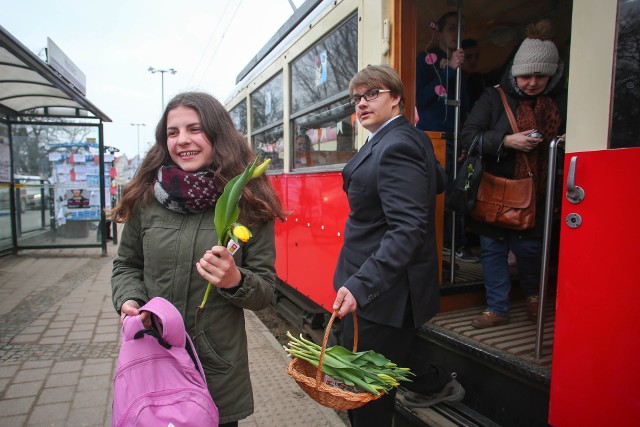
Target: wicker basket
(309, 378)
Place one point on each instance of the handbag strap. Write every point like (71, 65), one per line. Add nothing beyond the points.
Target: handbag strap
(512, 121)
(507, 107)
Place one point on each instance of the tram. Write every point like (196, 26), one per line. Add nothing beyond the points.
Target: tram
(575, 367)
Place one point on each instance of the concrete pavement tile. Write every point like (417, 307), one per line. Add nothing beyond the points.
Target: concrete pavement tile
(81, 327)
(16, 421)
(86, 417)
(91, 398)
(23, 389)
(52, 340)
(21, 405)
(94, 383)
(112, 337)
(80, 336)
(4, 383)
(33, 329)
(88, 318)
(61, 324)
(59, 380)
(29, 375)
(49, 413)
(92, 369)
(25, 339)
(37, 364)
(66, 366)
(57, 395)
(55, 332)
(108, 329)
(8, 371)
(40, 322)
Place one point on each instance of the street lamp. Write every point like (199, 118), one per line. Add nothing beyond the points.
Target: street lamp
(138, 126)
(162, 71)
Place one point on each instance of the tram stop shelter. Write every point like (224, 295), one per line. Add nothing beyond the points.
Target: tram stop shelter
(54, 187)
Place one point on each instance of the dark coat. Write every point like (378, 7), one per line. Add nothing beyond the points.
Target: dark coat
(488, 115)
(389, 253)
(157, 256)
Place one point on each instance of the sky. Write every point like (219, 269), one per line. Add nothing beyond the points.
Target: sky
(208, 43)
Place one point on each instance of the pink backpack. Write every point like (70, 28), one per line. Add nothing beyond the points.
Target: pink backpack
(159, 379)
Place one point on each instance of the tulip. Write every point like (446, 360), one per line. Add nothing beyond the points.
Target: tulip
(242, 232)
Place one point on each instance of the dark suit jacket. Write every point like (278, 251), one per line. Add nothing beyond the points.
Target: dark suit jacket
(389, 253)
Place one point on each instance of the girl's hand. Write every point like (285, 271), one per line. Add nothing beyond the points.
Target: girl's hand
(522, 142)
(218, 267)
(131, 308)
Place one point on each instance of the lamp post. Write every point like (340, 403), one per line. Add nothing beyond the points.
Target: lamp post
(162, 71)
(137, 125)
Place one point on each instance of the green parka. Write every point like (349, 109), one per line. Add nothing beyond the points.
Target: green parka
(157, 256)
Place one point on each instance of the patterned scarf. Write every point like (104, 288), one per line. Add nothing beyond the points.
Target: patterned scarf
(185, 192)
(542, 114)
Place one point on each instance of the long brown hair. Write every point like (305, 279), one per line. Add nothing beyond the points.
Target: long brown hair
(231, 154)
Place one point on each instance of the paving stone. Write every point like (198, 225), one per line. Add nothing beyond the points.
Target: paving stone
(49, 413)
(94, 383)
(37, 364)
(25, 339)
(57, 395)
(29, 375)
(66, 366)
(91, 398)
(102, 368)
(23, 389)
(86, 417)
(8, 371)
(21, 405)
(15, 421)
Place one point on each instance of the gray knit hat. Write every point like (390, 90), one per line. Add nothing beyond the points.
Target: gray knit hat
(535, 57)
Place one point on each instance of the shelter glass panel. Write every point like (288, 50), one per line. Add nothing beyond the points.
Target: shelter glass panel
(326, 68)
(266, 103)
(325, 136)
(625, 127)
(239, 117)
(56, 174)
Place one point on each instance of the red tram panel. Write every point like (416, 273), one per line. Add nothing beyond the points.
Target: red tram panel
(309, 242)
(595, 371)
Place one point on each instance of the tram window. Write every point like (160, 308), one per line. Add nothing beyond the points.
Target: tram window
(267, 106)
(239, 117)
(269, 144)
(625, 127)
(325, 136)
(326, 68)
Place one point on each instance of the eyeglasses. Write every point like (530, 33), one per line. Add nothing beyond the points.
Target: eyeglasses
(369, 96)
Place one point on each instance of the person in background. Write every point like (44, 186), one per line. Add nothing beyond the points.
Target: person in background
(387, 270)
(168, 246)
(475, 80)
(534, 91)
(436, 70)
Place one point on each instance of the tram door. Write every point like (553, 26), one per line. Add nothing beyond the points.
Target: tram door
(595, 373)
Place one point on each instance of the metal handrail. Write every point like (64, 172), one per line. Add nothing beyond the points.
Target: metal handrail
(546, 241)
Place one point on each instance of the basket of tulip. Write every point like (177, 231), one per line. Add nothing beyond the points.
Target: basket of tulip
(338, 378)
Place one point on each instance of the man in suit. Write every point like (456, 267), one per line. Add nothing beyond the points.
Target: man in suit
(387, 271)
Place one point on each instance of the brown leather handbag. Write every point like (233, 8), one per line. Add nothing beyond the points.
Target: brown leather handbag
(504, 202)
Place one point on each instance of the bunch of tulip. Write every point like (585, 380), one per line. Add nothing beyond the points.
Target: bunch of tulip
(227, 211)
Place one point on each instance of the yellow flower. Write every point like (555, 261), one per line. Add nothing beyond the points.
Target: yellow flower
(242, 233)
(259, 170)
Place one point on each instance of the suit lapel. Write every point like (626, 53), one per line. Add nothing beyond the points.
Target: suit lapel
(365, 151)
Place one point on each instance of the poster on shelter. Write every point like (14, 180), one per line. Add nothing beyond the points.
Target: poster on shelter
(5, 154)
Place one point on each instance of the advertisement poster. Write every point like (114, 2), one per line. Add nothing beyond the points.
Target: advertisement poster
(5, 154)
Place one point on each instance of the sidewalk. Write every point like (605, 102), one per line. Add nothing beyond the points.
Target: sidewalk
(59, 340)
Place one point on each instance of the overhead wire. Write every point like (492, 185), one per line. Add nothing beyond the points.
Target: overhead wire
(215, 30)
(220, 41)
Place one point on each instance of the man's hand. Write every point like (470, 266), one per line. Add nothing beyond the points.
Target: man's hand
(345, 302)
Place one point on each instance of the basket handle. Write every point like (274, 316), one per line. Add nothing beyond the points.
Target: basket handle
(324, 343)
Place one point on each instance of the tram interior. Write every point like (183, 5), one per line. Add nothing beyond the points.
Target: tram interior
(498, 27)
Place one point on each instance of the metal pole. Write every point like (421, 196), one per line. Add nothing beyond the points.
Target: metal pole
(546, 242)
(456, 131)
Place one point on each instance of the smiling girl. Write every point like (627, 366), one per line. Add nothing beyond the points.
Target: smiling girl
(167, 247)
